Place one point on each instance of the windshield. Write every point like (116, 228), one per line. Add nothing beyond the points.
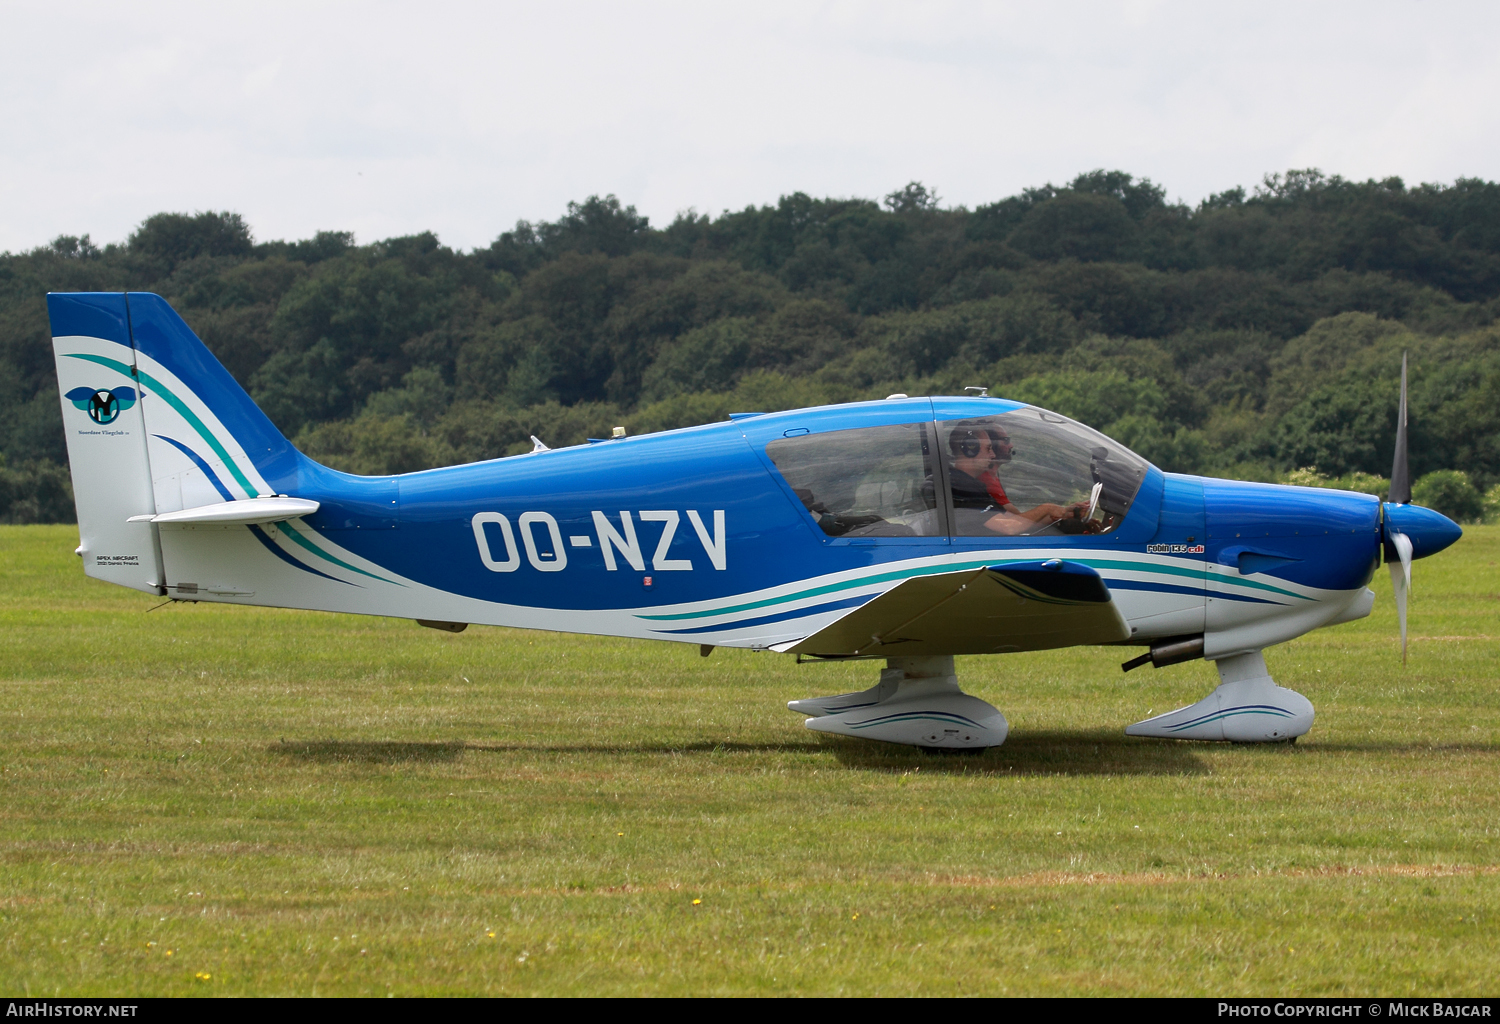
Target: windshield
(1035, 472)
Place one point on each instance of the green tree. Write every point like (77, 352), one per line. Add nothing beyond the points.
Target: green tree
(168, 240)
(1076, 226)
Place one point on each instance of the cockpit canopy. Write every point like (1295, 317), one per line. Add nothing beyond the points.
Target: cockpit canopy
(965, 478)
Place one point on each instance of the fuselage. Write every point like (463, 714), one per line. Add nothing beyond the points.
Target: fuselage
(694, 535)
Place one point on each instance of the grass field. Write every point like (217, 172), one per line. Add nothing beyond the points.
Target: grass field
(201, 800)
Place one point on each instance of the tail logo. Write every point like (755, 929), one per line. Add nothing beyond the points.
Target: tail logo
(102, 406)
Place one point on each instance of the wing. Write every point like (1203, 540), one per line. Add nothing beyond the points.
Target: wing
(1019, 606)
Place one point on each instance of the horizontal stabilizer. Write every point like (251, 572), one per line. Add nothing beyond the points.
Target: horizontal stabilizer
(1018, 606)
(247, 512)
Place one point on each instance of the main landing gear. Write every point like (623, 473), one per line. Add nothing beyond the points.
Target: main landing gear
(916, 702)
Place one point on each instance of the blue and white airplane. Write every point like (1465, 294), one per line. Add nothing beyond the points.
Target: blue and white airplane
(910, 529)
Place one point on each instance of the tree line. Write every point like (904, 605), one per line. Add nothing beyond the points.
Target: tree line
(1258, 334)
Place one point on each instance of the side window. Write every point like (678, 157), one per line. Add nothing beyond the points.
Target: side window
(869, 482)
(1034, 472)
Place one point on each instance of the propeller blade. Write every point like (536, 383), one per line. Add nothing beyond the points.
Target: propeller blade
(1401, 582)
(1397, 541)
(1400, 473)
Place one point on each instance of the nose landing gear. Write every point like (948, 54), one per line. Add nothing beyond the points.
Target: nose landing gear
(1247, 707)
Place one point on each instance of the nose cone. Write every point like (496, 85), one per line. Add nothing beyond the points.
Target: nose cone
(1430, 531)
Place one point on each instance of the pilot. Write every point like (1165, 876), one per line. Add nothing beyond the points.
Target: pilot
(978, 452)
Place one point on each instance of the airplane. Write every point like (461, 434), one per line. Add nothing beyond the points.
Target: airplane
(907, 530)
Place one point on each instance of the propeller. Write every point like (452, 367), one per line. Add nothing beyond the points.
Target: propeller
(1398, 543)
(1409, 531)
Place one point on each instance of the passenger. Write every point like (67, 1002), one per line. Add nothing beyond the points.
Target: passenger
(974, 480)
(1001, 446)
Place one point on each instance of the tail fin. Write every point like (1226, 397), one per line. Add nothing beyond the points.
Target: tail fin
(154, 424)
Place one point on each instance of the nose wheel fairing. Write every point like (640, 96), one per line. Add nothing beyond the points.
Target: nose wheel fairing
(1247, 707)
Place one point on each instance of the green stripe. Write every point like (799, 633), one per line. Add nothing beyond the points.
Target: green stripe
(1162, 570)
(183, 411)
(297, 538)
(1094, 563)
(1197, 574)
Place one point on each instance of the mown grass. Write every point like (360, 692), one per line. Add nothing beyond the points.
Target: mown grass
(300, 803)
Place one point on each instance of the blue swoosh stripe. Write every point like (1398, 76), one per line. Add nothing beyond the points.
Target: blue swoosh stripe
(198, 461)
(1168, 588)
(302, 542)
(916, 716)
(276, 550)
(1240, 709)
(848, 602)
(1243, 709)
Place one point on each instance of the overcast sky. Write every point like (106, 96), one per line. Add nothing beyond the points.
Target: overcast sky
(388, 119)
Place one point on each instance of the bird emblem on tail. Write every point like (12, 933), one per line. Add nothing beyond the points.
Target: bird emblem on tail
(103, 406)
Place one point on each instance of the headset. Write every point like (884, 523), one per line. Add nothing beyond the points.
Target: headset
(965, 442)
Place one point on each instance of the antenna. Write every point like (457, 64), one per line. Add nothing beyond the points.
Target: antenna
(537, 446)
(983, 392)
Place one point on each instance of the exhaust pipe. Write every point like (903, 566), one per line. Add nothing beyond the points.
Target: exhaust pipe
(1170, 652)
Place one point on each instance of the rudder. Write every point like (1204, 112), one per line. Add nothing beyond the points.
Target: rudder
(105, 426)
(154, 424)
